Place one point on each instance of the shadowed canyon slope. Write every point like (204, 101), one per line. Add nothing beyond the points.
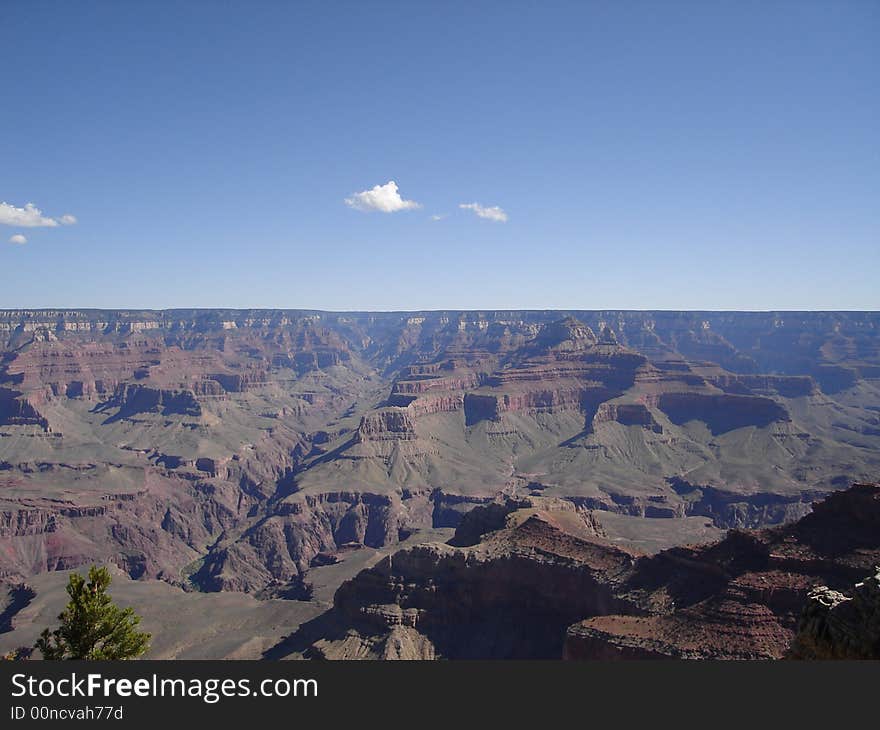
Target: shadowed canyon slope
(229, 450)
(536, 578)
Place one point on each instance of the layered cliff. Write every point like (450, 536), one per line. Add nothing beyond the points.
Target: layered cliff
(742, 597)
(225, 449)
(535, 578)
(512, 593)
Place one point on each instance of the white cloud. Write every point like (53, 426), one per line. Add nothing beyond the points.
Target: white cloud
(436, 217)
(493, 213)
(384, 198)
(31, 217)
(18, 238)
(28, 217)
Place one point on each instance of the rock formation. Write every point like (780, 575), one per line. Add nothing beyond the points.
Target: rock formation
(228, 449)
(535, 578)
(837, 625)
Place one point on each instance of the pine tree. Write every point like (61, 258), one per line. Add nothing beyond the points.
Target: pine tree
(14, 655)
(92, 626)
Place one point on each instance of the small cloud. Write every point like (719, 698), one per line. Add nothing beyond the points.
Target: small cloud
(493, 213)
(18, 239)
(31, 217)
(384, 198)
(437, 217)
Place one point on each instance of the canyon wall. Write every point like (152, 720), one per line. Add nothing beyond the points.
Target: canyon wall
(229, 449)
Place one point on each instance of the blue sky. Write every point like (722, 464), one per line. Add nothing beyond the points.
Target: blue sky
(646, 155)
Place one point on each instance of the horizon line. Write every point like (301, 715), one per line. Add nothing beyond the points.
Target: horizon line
(479, 310)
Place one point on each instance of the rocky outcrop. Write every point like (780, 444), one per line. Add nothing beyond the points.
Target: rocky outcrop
(564, 368)
(449, 509)
(490, 406)
(511, 595)
(507, 512)
(726, 508)
(130, 399)
(729, 629)
(422, 382)
(283, 545)
(626, 414)
(240, 382)
(16, 410)
(516, 573)
(564, 335)
(721, 413)
(740, 598)
(837, 625)
(20, 522)
(150, 533)
(729, 509)
(782, 385)
(389, 423)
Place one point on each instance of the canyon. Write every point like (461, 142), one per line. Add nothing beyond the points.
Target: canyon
(286, 455)
(538, 579)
